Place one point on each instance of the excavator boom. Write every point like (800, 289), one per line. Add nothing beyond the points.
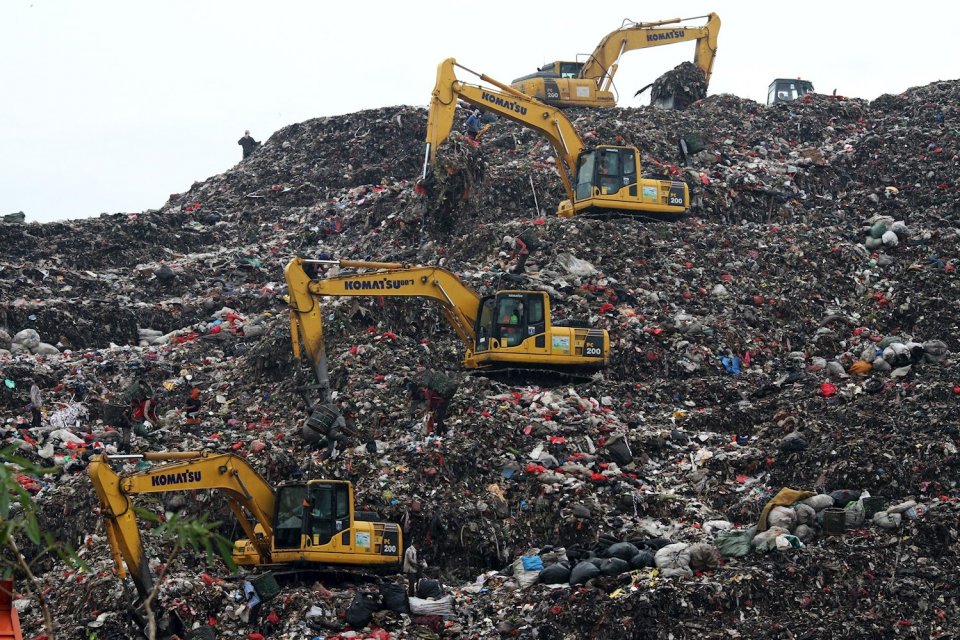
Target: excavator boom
(590, 84)
(507, 102)
(243, 486)
(458, 302)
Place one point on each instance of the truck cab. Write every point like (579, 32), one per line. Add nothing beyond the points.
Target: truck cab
(788, 89)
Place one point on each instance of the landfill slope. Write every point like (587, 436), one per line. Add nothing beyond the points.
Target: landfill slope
(752, 349)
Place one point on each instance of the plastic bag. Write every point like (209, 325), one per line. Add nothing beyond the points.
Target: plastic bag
(622, 550)
(674, 560)
(582, 572)
(555, 574)
(735, 544)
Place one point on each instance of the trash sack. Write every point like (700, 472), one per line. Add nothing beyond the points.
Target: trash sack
(427, 588)
(440, 607)
(887, 520)
(935, 351)
(575, 266)
(614, 567)
(619, 450)
(842, 497)
(553, 556)
(674, 560)
(767, 540)
(783, 517)
(524, 577)
(805, 514)
(713, 527)
(735, 544)
(28, 338)
(805, 532)
(582, 572)
(555, 574)
(653, 544)
(902, 507)
(854, 514)
(532, 563)
(642, 560)
(695, 143)
(361, 610)
(622, 550)
(395, 597)
(819, 502)
(703, 556)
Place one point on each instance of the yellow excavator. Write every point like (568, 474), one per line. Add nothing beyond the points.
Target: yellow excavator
(601, 180)
(511, 329)
(308, 523)
(590, 83)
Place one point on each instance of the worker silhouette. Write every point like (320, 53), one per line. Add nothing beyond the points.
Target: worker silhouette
(247, 143)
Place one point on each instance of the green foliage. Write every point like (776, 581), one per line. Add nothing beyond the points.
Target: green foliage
(24, 518)
(12, 493)
(198, 534)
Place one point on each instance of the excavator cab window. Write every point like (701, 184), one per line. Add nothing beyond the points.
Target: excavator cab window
(511, 321)
(609, 171)
(329, 512)
(289, 519)
(570, 69)
(586, 165)
(485, 323)
(535, 315)
(786, 90)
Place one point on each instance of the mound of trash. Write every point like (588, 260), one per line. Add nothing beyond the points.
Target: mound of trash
(771, 452)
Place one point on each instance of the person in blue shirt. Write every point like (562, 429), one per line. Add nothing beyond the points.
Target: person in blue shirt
(473, 125)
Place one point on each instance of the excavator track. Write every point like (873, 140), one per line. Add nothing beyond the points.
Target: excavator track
(543, 377)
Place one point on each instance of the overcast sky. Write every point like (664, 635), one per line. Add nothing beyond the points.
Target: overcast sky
(111, 105)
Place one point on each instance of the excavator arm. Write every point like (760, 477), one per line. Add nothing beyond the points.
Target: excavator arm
(246, 491)
(458, 302)
(602, 63)
(507, 102)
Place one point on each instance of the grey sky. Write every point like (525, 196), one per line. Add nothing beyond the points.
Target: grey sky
(111, 105)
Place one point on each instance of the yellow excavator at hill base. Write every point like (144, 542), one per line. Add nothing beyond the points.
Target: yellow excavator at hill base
(307, 523)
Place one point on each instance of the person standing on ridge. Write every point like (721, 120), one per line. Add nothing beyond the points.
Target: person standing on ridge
(248, 143)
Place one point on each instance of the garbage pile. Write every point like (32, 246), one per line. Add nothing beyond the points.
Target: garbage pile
(680, 87)
(787, 351)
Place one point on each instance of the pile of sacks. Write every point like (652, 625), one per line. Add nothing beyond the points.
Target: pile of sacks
(25, 341)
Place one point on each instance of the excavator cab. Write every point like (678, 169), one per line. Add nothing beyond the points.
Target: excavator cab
(309, 515)
(509, 318)
(607, 180)
(515, 327)
(788, 89)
